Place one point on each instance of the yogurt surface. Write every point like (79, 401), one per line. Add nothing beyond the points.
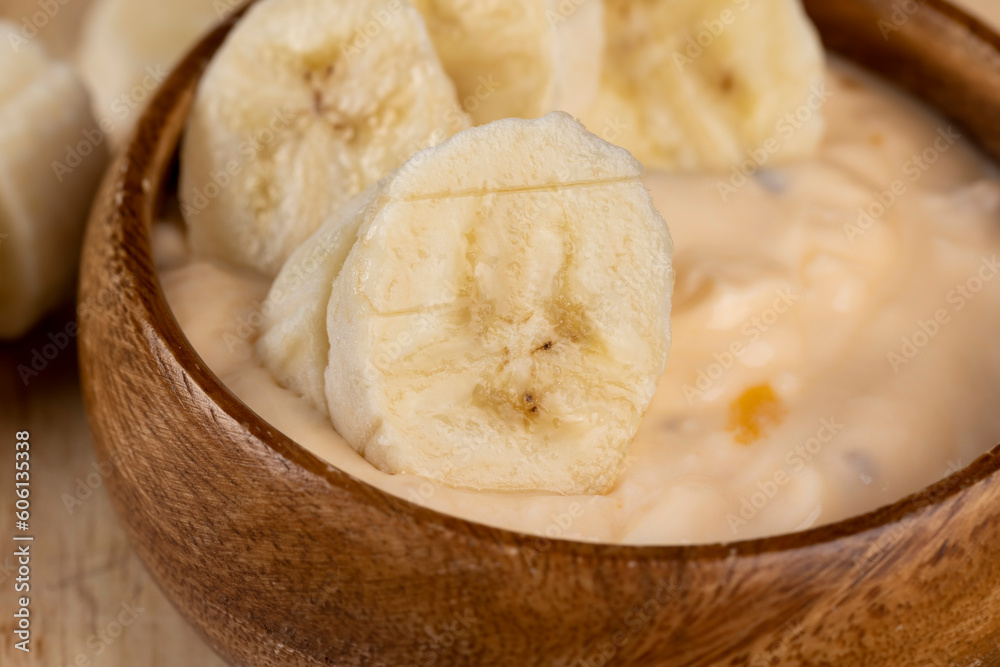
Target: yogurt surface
(835, 339)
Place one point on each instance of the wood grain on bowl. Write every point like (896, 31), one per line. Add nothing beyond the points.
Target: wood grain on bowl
(279, 559)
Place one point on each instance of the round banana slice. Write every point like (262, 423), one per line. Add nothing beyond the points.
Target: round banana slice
(306, 104)
(127, 47)
(503, 316)
(519, 58)
(51, 159)
(708, 84)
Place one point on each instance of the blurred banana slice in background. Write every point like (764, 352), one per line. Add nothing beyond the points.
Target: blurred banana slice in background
(55, 23)
(52, 156)
(306, 104)
(519, 58)
(127, 47)
(694, 85)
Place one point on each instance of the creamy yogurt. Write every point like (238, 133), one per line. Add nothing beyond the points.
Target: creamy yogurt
(835, 340)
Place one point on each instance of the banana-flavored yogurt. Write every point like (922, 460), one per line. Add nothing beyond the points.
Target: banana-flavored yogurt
(835, 339)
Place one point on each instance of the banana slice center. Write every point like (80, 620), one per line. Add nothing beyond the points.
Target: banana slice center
(518, 330)
(322, 84)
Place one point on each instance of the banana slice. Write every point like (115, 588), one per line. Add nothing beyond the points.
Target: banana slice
(51, 160)
(306, 104)
(127, 47)
(293, 341)
(503, 317)
(519, 58)
(708, 84)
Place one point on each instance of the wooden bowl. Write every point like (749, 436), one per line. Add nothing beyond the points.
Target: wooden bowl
(280, 559)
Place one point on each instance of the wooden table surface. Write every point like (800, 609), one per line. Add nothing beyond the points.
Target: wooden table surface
(92, 602)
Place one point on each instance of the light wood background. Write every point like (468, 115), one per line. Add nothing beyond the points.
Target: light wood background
(92, 602)
(82, 569)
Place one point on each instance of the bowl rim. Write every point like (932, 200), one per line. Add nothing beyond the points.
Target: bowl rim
(134, 193)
